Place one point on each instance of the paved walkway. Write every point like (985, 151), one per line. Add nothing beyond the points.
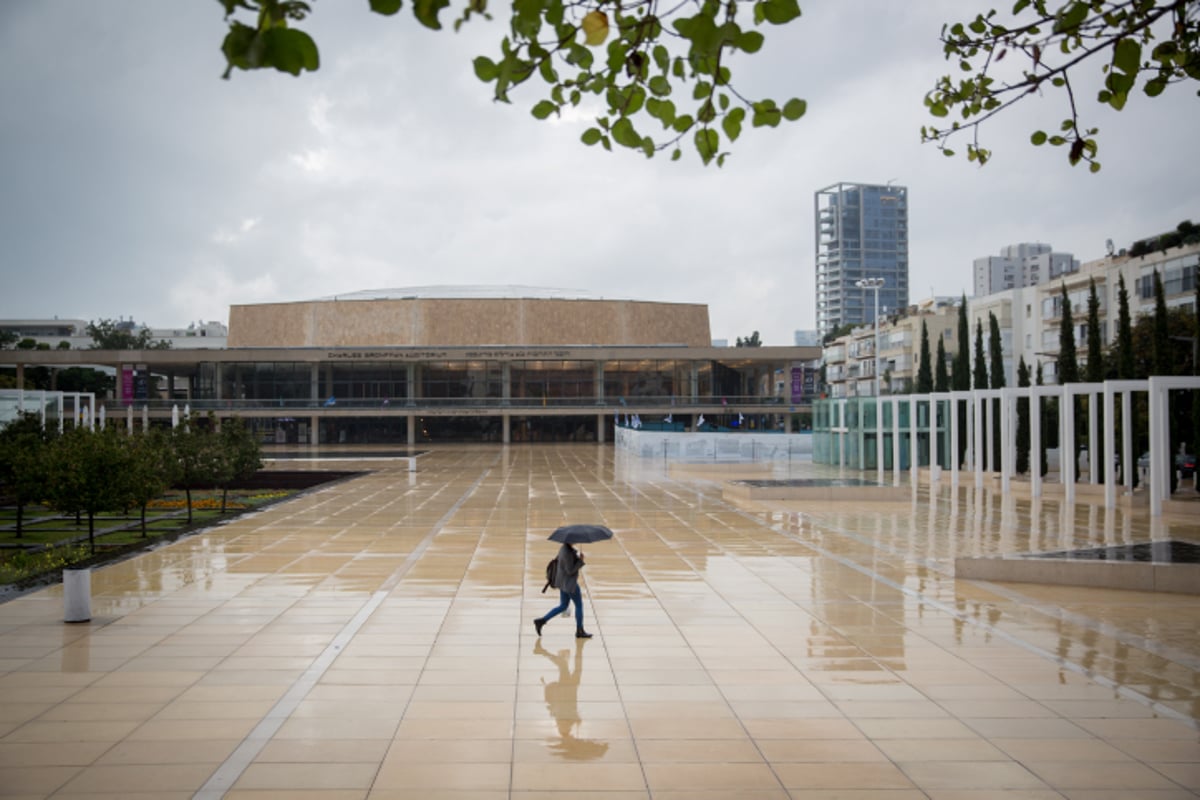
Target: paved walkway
(374, 640)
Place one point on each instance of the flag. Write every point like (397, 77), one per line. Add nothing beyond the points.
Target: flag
(668, 419)
(700, 422)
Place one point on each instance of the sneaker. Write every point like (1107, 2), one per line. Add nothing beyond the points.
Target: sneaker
(580, 633)
(537, 625)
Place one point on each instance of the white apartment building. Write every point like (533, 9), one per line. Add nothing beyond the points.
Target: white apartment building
(1029, 319)
(1020, 265)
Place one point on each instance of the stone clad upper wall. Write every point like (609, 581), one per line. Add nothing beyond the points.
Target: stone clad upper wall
(450, 322)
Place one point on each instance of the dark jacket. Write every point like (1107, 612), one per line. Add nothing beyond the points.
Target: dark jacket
(569, 564)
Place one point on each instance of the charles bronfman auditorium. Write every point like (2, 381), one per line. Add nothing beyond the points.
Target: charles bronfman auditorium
(503, 364)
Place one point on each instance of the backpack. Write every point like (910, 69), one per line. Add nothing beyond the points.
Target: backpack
(551, 574)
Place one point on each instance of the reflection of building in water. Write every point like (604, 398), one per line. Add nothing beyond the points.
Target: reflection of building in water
(562, 701)
(859, 620)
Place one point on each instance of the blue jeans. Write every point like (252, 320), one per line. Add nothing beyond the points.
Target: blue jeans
(567, 597)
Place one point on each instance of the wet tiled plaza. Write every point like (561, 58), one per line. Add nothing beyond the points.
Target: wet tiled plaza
(374, 639)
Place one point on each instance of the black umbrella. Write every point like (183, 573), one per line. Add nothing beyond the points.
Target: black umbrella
(581, 534)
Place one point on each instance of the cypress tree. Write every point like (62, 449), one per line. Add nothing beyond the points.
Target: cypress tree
(925, 370)
(960, 376)
(1162, 366)
(1095, 374)
(1127, 371)
(996, 367)
(1043, 419)
(941, 377)
(1023, 430)
(1067, 367)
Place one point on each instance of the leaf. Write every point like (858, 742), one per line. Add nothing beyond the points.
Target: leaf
(1127, 55)
(624, 134)
(750, 42)
(707, 143)
(794, 109)
(595, 27)
(426, 12)
(289, 50)
(780, 12)
(659, 86)
(486, 69)
(731, 123)
(591, 136)
(544, 109)
(386, 7)
(1038, 138)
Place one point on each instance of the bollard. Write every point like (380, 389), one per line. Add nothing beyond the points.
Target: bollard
(77, 595)
(412, 464)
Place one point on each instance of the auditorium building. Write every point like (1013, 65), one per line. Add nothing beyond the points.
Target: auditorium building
(504, 364)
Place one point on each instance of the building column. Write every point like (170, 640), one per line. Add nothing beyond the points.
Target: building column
(314, 429)
(600, 426)
(314, 384)
(506, 391)
(694, 388)
(411, 420)
(410, 387)
(506, 429)
(218, 380)
(598, 380)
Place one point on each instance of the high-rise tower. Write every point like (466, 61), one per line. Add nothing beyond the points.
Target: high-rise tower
(861, 234)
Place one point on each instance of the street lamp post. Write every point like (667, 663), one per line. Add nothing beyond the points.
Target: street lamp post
(875, 284)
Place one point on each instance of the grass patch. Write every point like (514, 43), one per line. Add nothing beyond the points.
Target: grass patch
(49, 542)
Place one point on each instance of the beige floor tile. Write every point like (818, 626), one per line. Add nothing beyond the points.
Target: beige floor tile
(50, 754)
(819, 751)
(307, 776)
(1028, 750)
(296, 794)
(567, 777)
(941, 750)
(460, 776)
(168, 752)
(841, 775)
(670, 751)
(1130, 776)
(1160, 750)
(143, 778)
(710, 777)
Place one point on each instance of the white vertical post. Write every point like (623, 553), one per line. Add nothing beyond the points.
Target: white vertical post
(1128, 457)
(1110, 452)
(1160, 447)
(914, 450)
(1066, 444)
(1093, 449)
(953, 406)
(977, 427)
(1035, 443)
(895, 440)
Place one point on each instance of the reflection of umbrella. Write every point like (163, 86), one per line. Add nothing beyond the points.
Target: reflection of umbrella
(581, 534)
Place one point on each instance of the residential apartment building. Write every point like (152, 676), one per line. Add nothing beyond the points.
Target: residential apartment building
(1019, 265)
(861, 235)
(1029, 318)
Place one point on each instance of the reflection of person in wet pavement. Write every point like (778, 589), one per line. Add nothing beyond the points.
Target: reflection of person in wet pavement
(570, 561)
(562, 701)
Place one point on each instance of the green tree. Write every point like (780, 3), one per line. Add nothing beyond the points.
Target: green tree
(960, 374)
(241, 455)
(1094, 374)
(7, 339)
(153, 468)
(1044, 427)
(996, 379)
(24, 443)
(1067, 368)
(88, 474)
(925, 370)
(84, 379)
(668, 67)
(1164, 365)
(941, 378)
(198, 455)
(1144, 44)
(665, 68)
(1023, 431)
(1125, 367)
(750, 341)
(110, 334)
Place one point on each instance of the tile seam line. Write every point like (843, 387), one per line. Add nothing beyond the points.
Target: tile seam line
(225, 775)
(1124, 691)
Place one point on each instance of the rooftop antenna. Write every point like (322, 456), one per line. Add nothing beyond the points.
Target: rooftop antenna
(1108, 244)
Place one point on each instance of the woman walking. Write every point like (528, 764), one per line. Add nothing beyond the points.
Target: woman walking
(566, 580)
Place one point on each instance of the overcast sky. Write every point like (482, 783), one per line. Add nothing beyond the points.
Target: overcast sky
(134, 182)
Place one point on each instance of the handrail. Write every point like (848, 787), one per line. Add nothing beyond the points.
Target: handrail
(405, 405)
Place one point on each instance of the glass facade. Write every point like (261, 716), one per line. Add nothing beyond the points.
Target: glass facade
(861, 233)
